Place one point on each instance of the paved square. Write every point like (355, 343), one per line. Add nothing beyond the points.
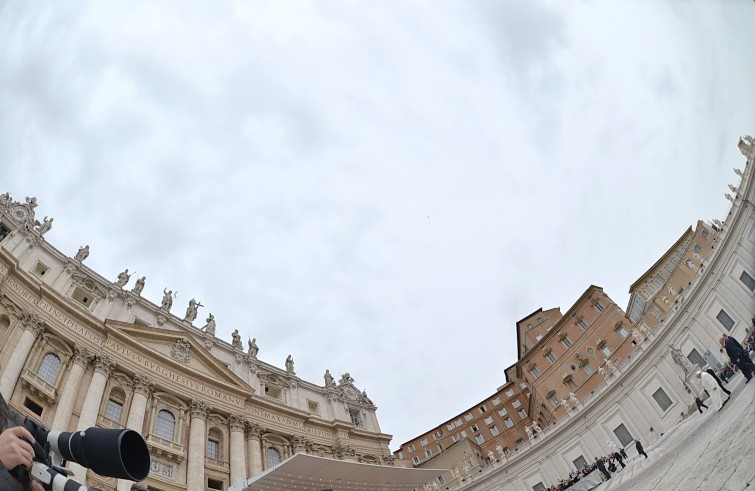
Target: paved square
(705, 452)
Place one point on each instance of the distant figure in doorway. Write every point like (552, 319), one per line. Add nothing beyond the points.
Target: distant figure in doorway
(700, 405)
(640, 450)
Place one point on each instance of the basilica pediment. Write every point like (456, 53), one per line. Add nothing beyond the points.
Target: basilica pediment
(177, 358)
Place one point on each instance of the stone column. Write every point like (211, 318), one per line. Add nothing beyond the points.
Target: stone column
(33, 327)
(79, 362)
(103, 367)
(254, 433)
(197, 444)
(238, 453)
(143, 388)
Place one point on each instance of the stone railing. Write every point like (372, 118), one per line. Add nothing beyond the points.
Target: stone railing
(39, 387)
(218, 464)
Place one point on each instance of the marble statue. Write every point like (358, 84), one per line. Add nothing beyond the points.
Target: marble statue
(366, 399)
(745, 145)
(253, 349)
(123, 278)
(565, 404)
(5, 200)
(45, 226)
(573, 399)
(681, 360)
(139, 285)
(167, 299)
(610, 367)
(636, 335)
(236, 339)
(672, 292)
(491, 457)
(536, 428)
(602, 372)
(290, 365)
(645, 330)
(733, 189)
(529, 432)
(736, 171)
(346, 378)
(329, 382)
(82, 254)
(499, 449)
(192, 309)
(209, 328)
(729, 197)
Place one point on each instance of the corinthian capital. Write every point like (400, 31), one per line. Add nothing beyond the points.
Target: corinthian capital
(236, 422)
(81, 355)
(198, 409)
(32, 323)
(253, 430)
(143, 385)
(103, 363)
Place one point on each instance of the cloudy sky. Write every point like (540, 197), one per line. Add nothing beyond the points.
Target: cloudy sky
(381, 188)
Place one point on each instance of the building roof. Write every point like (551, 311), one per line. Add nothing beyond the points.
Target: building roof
(303, 472)
(661, 259)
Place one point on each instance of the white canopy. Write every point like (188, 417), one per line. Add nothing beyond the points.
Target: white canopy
(304, 472)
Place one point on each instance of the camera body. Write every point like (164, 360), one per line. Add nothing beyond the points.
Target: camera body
(122, 454)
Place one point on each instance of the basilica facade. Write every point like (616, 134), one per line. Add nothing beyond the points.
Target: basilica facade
(79, 350)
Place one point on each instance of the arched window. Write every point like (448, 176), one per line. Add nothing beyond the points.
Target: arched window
(49, 368)
(165, 426)
(214, 444)
(273, 457)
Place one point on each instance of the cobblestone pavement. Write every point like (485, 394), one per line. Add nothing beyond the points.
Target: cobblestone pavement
(705, 452)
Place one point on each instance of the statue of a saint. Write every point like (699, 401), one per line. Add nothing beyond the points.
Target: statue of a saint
(192, 309)
(745, 145)
(290, 365)
(123, 278)
(499, 449)
(167, 299)
(236, 339)
(536, 428)
(329, 382)
(253, 349)
(139, 285)
(736, 171)
(45, 226)
(681, 360)
(491, 457)
(6, 200)
(573, 399)
(82, 254)
(209, 328)
(365, 398)
(602, 372)
(565, 404)
(529, 432)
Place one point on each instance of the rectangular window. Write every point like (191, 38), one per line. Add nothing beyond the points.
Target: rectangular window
(508, 422)
(656, 312)
(582, 324)
(509, 393)
(748, 281)
(580, 462)
(622, 331)
(494, 431)
(411, 448)
(599, 306)
(588, 369)
(696, 358)
(496, 401)
(479, 439)
(415, 460)
(455, 438)
(503, 412)
(538, 487)
(705, 234)
(551, 357)
(538, 337)
(483, 409)
(554, 400)
(606, 351)
(516, 403)
(636, 307)
(662, 399)
(423, 442)
(33, 406)
(725, 320)
(214, 484)
(450, 426)
(113, 411)
(474, 428)
(566, 342)
(522, 414)
(314, 407)
(535, 372)
(428, 453)
(623, 435)
(469, 417)
(437, 435)
(489, 420)
(438, 448)
(213, 449)
(457, 423)
(698, 248)
(463, 434)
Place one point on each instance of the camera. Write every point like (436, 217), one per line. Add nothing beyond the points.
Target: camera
(122, 454)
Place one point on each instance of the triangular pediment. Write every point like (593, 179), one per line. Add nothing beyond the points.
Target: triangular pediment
(175, 355)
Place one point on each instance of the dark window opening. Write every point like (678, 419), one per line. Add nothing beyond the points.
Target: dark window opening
(33, 407)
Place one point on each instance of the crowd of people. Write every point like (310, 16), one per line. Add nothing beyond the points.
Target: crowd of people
(605, 465)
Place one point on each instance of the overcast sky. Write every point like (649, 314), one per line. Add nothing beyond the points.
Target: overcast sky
(382, 188)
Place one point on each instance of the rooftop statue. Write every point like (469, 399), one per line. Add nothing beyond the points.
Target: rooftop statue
(209, 328)
(253, 349)
(167, 299)
(139, 285)
(82, 254)
(123, 278)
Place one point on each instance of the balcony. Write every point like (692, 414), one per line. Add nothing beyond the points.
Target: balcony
(217, 464)
(165, 449)
(33, 384)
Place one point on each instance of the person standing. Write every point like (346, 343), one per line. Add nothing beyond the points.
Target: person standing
(14, 450)
(602, 467)
(640, 450)
(737, 356)
(617, 457)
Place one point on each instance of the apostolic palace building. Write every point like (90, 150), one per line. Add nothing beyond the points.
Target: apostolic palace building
(80, 350)
(596, 378)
